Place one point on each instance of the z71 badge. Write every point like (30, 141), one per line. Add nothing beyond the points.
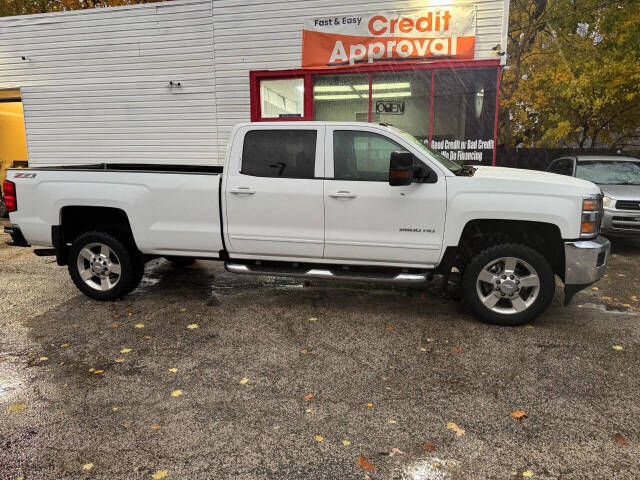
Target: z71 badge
(25, 175)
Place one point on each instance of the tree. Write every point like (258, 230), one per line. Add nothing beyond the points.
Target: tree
(25, 7)
(578, 81)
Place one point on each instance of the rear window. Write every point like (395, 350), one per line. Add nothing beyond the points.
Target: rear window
(279, 153)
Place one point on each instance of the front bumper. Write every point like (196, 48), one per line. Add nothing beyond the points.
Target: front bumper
(621, 223)
(585, 263)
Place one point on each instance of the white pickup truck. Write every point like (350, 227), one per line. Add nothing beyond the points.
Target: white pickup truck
(321, 200)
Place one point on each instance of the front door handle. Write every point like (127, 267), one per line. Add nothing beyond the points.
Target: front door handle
(242, 191)
(342, 194)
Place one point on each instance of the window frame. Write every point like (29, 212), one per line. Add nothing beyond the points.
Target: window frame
(256, 76)
(557, 160)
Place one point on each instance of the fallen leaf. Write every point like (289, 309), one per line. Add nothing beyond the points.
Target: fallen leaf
(176, 393)
(192, 326)
(527, 474)
(429, 446)
(452, 426)
(528, 325)
(305, 351)
(114, 325)
(422, 349)
(64, 345)
(319, 438)
(160, 474)
(621, 275)
(116, 315)
(87, 466)
(395, 451)
(595, 289)
(139, 325)
(173, 370)
(308, 410)
(346, 443)
(626, 305)
(148, 337)
(155, 427)
(244, 381)
(183, 309)
(130, 314)
(369, 404)
(391, 420)
(618, 347)
(43, 359)
(634, 298)
(16, 407)
(365, 464)
(456, 349)
(115, 409)
(119, 360)
(389, 328)
(98, 371)
(75, 325)
(307, 397)
(125, 350)
(91, 369)
(518, 414)
(126, 424)
(621, 439)
(436, 464)
(313, 319)
(429, 339)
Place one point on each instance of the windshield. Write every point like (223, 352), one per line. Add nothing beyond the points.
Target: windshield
(450, 164)
(610, 173)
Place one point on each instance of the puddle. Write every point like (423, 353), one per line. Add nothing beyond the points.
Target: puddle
(604, 309)
(426, 469)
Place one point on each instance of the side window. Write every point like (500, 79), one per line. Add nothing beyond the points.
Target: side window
(279, 153)
(362, 156)
(564, 166)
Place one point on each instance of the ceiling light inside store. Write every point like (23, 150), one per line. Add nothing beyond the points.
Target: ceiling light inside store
(332, 88)
(361, 88)
(346, 96)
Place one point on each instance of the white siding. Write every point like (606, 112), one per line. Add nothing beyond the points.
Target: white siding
(95, 85)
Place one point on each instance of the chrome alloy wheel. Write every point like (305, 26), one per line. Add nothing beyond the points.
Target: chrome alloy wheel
(99, 266)
(508, 285)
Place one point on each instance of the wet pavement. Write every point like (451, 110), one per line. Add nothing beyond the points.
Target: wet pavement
(203, 375)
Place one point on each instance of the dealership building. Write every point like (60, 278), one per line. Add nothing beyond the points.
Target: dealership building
(166, 82)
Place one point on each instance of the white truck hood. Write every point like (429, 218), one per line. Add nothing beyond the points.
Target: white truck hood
(546, 178)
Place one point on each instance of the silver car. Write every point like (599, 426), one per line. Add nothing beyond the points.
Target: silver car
(619, 179)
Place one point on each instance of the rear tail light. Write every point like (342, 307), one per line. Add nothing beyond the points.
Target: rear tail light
(9, 195)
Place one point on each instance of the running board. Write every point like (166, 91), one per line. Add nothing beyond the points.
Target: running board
(323, 273)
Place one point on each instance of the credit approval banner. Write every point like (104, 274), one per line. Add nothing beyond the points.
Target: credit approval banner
(426, 34)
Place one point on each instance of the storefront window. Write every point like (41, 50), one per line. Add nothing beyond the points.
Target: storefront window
(341, 97)
(464, 110)
(282, 98)
(403, 100)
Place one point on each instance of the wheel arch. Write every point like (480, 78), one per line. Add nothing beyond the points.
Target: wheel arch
(479, 234)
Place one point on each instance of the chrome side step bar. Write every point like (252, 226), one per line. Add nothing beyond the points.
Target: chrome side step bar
(328, 274)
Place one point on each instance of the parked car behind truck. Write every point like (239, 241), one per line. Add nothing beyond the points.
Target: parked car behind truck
(322, 200)
(619, 179)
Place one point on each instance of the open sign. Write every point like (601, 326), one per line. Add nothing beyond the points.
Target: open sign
(391, 108)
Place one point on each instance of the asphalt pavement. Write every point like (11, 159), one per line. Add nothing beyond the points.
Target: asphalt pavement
(203, 375)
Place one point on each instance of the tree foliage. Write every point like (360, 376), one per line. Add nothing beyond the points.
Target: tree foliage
(25, 7)
(574, 76)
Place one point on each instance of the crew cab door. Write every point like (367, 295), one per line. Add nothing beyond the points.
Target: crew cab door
(273, 192)
(366, 219)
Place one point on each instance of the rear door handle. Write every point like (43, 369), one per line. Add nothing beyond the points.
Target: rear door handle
(242, 191)
(342, 194)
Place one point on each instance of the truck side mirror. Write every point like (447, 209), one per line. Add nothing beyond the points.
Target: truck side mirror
(400, 169)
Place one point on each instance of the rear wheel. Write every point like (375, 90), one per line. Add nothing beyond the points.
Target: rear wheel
(509, 284)
(103, 267)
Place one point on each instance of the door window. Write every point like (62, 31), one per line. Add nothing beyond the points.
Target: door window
(279, 153)
(282, 98)
(362, 156)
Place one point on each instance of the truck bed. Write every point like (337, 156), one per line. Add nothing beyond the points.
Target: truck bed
(176, 207)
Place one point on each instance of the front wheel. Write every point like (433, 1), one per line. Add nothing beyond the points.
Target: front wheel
(509, 284)
(102, 266)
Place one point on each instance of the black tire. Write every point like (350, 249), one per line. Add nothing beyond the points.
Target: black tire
(533, 300)
(181, 261)
(127, 257)
(4, 213)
